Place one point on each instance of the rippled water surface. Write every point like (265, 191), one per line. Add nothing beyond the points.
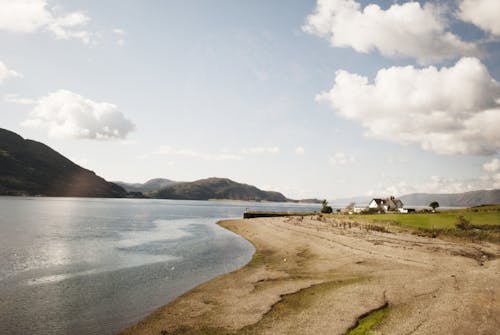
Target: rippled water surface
(96, 266)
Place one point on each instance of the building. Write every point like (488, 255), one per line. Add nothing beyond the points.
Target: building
(390, 204)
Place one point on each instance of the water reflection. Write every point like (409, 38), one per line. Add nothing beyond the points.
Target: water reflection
(95, 266)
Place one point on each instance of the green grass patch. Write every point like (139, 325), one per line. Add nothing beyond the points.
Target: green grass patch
(369, 323)
(293, 303)
(288, 306)
(484, 222)
(435, 220)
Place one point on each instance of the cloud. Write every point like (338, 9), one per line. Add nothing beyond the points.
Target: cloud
(292, 192)
(68, 115)
(30, 16)
(6, 73)
(404, 30)
(166, 150)
(482, 13)
(260, 150)
(492, 166)
(341, 158)
(120, 33)
(453, 110)
(222, 156)
(16, 99)
(300, 150)
(437, 184)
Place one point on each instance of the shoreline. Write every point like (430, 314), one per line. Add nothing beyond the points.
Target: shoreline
(311, 276)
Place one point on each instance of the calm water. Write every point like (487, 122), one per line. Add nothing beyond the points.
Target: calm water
(96, 266)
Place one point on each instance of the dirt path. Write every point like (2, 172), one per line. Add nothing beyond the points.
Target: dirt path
(314, 277)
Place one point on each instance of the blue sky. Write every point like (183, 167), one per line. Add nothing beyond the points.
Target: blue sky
(269, 93)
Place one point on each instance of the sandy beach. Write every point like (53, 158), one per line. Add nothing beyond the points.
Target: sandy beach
(320, 276)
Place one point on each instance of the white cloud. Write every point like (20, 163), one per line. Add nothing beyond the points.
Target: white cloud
(29, 16)
(453, 110)
(341, 158)
(492, 166)
(166, 150)
(121, 36)
(6, 73)
(119, 31)
(437, 184)
(300, 150)
(291, 191)
(68, 115)
(16, 99)
(407, 30)
(482, 13)
(260, 150)
(219, 156)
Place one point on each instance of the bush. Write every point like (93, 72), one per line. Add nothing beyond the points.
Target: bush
(463, 223)
(370, 211)
(325, 208)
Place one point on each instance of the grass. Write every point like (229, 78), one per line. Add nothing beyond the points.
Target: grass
(289, 306)
(484, 222)
(293, 303)
(446, 219)
(369, 323)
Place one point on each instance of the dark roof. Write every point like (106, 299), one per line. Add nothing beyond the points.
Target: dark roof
(391, 202)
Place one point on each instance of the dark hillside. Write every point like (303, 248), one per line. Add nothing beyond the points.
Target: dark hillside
(31, 168)
(217, 188)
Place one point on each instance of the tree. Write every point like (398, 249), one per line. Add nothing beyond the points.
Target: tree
(325, 208)
(434, 205)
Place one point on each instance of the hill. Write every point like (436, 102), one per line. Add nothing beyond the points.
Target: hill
(216, 188)
(359, 200)
(31, 168)
(467, 199)
(149, 186)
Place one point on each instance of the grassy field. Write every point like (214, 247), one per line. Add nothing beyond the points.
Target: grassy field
(483, 222)
(434, 220)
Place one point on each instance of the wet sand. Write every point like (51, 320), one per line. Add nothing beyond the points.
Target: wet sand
(319, 276)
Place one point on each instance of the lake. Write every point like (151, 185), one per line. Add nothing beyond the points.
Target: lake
(96, 266)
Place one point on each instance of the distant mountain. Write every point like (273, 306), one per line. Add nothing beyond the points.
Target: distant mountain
(308, 201)
(216, 188)
(149, 186)
(467, 199)
(361, 200)
(31, 168)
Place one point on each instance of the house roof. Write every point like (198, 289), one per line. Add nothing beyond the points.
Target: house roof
(391, 202)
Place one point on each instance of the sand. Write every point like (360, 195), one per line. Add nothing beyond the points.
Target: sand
(318, 276)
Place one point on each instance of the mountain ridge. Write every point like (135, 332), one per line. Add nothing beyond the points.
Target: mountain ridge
(464, 199)
(31, 168)
(148, 186)
(217, 188)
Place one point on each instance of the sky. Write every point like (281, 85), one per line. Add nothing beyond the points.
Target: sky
(327, 98)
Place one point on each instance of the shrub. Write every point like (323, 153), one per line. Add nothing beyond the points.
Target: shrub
(325, 208)
(463, 223)
(370, 211)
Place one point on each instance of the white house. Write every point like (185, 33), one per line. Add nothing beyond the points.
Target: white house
(387, 205)
(376, 203)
